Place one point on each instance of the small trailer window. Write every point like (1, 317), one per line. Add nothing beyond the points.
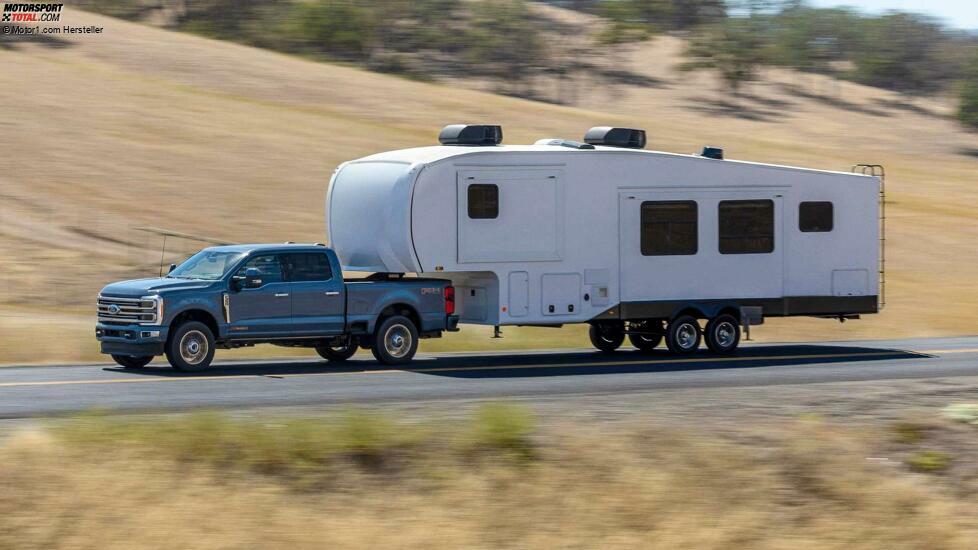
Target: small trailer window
(483, 201)
(669, 228)
(815, 217)
(746, 227)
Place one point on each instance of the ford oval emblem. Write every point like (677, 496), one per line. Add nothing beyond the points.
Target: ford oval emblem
(114, 309)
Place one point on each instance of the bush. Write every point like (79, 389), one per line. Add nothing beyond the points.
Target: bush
(929, 461)
(506, 428)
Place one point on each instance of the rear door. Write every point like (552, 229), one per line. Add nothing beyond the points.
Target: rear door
(264, 311)
(702, 244)
(318, 301)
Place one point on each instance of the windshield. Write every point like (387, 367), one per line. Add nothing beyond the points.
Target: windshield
(209, 265)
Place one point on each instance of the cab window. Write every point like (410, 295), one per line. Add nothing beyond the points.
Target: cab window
(269, 265)
(311, 266)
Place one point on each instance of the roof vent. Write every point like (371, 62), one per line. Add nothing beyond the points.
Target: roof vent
(564, 143)
(712, 153)
(616, 137)
(470, 134)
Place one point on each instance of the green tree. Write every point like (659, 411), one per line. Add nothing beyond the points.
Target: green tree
(502, 41)
(338, 28)
(968, 99)
(734, 49)
(638, 19)
(902, 52)
(813, 40)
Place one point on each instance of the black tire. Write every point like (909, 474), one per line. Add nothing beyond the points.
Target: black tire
(132, 361)
(395, 340)
(723, 334)
(645, 342)
(190, 347)
(606, 337)
(340, 353)
(683, 335)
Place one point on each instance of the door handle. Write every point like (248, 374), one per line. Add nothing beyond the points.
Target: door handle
(332, 293)
(282, 295)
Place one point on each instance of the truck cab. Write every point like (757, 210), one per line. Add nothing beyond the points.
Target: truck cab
(289, 295)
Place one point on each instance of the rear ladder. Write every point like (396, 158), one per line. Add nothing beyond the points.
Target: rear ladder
(877, 170)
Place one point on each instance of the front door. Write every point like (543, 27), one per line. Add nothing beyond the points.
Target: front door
(265, 311)
(318, 300)
(701, 244)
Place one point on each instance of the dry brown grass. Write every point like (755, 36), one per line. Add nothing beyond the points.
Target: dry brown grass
(209, 482)
(140, 126)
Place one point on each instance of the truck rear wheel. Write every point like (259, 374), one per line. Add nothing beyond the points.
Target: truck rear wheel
(132, 361)
(338, 353)
(606, 337)
(723, 334)
(683, 335)
(190, 347)
(395, 340)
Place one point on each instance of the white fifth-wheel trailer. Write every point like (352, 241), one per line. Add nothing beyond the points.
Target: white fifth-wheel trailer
(638, 243)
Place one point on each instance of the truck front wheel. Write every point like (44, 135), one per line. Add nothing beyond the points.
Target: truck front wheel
(395, 340)
(132, 361)
(338, 353)
(190, 347)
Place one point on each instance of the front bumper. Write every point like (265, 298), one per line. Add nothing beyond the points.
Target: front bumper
(137, 340)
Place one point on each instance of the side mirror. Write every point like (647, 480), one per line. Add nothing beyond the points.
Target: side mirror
(252, 278)
(172, 267)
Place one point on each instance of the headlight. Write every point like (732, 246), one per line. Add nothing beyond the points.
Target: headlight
(156, 307)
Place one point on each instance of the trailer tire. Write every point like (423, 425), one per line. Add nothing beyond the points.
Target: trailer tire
(645, 342)
(723, 334)
(395, 340)
(606, 337)
(683, 335)
(338, 354)
(132, 361)
(190, 347)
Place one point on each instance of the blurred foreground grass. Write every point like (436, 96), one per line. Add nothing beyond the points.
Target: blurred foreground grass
(363, 480)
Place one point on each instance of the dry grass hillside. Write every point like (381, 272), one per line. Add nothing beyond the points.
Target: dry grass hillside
(139, 127)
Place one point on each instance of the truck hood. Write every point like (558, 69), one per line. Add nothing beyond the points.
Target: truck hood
(143, 287)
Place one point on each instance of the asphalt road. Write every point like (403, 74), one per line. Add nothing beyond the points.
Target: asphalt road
(42, 391)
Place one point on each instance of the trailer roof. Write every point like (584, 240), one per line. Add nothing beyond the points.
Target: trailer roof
(436, 153)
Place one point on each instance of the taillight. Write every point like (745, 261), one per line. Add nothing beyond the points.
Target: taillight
(450, 300)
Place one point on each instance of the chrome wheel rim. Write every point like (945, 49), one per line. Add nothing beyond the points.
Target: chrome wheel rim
(725, 332)
(193, 347)
(686, 336)
(398, 341)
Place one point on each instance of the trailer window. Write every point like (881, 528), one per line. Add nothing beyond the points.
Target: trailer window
(746, 227)
(311, 266)
(815, 217)
(483, 201)
(669, 228)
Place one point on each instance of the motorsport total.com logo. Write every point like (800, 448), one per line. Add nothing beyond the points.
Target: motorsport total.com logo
(31, 13)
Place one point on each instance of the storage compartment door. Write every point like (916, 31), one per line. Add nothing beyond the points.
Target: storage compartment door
(561, 293)
(519, 294)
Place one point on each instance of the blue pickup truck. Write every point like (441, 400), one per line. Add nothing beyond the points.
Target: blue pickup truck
(289, 295)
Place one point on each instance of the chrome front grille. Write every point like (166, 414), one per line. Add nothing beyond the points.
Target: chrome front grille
(129, 311)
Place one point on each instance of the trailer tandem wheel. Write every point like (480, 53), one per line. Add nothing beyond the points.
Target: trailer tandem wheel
(607, 337)
(723, 333)
(683, 335)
